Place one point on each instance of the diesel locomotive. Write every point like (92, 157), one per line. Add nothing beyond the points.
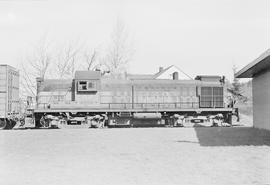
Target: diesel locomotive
(95, 100)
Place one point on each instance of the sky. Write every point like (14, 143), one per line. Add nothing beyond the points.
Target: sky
(200, 37)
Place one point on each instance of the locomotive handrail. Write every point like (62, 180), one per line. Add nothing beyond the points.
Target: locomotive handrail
(175, 105)
(158, 106)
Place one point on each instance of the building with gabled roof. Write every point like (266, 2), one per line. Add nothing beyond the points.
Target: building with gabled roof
(259, 70)
(171, 72)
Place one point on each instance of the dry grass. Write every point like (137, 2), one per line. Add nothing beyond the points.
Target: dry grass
(135, 156)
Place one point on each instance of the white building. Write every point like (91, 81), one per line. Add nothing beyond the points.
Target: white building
(169, 73)
(259, 70)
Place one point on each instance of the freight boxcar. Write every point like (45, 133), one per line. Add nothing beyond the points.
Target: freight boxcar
(9, 96)
(127, 102)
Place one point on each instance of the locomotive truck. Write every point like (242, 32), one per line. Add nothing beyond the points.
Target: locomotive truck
(9, 96)
(95, 100)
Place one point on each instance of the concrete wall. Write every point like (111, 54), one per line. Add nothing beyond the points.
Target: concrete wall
(261, 100)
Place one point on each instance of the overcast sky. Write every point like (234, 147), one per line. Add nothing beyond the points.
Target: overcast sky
(200, 37)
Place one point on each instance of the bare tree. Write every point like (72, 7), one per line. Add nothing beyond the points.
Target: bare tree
(120, 52)
(28, 85)
(90, 59)
(235, 90)
(66, 61)
(41, 58)
(236, 86)
(35, 65)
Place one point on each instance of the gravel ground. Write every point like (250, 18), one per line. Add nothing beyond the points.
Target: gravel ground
(206, 156)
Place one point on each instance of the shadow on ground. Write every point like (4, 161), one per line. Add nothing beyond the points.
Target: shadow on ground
(232, 136)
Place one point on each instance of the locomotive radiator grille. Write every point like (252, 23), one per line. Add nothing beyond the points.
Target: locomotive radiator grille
(211, 97)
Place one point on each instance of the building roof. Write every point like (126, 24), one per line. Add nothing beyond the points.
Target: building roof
(152, 76)
(259, 65)
(162, 71)
(8, 66)
(87, 75)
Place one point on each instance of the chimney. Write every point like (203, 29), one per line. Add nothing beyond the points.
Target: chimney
(160, 69)
(175, 76)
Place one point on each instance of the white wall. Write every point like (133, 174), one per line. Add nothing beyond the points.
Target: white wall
(261, 100)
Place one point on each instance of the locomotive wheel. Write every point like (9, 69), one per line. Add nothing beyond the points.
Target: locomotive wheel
(3, 124)
(44, 123)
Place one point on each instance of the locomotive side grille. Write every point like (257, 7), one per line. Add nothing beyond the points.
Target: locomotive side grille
(218, 96)
(211, 97)
(206, 97)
